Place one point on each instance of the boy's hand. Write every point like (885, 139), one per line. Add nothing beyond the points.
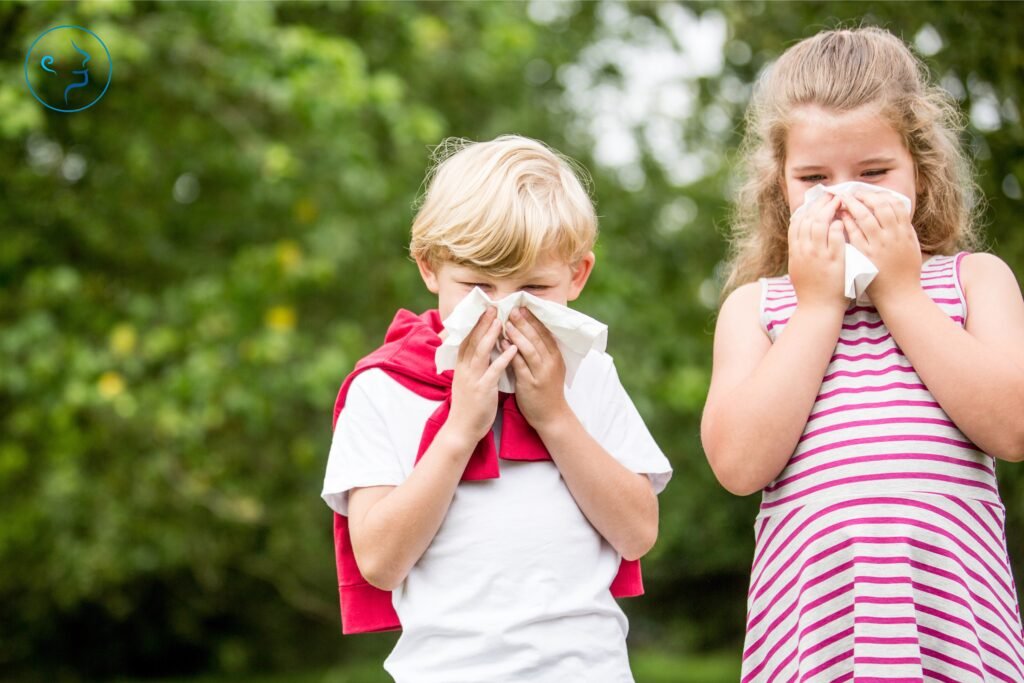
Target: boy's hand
(879, 226)
(539, 369)
(475, 382)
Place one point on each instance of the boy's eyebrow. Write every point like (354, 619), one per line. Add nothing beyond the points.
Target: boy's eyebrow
(541, 274)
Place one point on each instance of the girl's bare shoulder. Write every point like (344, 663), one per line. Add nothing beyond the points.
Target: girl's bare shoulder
(984, 273)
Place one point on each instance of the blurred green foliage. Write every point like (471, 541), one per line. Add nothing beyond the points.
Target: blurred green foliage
(189, 269)
(648, 667)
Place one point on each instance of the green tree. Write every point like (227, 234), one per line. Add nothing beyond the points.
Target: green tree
(189, 268)
(178, 317)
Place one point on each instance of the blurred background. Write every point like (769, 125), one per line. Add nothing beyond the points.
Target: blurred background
(190, 267)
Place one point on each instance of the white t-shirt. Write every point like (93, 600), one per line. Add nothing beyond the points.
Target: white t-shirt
(515, 585)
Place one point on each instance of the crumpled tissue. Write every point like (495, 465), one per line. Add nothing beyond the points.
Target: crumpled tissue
(576, 334)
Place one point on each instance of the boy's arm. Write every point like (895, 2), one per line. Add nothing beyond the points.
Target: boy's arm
(761, 393)
(975, 373)
(618, 502)
(391, 526)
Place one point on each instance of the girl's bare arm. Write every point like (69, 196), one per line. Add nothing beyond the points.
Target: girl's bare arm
(975, 373)
(761, 393)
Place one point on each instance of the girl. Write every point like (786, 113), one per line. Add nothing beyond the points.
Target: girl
(880, 547)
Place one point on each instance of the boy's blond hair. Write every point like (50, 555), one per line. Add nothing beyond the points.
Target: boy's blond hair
(499, 206)
(841, 70)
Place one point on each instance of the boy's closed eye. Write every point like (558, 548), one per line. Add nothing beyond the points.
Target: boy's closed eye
(484, 285)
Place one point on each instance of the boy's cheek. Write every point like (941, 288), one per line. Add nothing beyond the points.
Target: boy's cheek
(447, 300)
(559, 296)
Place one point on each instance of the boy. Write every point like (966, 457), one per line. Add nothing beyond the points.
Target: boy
(502, 572)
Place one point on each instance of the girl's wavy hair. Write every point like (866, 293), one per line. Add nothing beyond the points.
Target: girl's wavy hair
(842, 70)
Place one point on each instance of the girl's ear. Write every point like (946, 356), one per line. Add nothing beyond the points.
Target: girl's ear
(428, 274)
(580, 273)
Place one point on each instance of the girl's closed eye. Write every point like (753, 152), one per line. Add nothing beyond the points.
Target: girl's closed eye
(815, 178)
(876, 172)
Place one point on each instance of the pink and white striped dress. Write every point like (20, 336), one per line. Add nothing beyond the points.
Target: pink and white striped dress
(880, 549)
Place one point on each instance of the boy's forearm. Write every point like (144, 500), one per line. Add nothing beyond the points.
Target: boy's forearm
(395, 532)
(981, 391)
(619, 503)
(750, 432)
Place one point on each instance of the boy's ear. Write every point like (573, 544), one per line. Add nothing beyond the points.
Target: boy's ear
(580, 273)
(428, 274)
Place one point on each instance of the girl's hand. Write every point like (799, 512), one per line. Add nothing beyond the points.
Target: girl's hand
(475, 382)
(816, 263)
(539, 368)
(879, 226)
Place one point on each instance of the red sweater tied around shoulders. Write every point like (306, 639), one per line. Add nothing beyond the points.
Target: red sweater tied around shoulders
(407, 356)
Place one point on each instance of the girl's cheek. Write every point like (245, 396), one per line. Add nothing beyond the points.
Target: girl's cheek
(794, 198)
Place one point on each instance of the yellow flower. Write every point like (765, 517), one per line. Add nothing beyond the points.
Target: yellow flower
(280, 318)
(122, 339)
(288, 255)
(430, 34)
(278, 162)
(110, 384)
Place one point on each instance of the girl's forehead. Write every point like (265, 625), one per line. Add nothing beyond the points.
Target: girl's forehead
(816, 131)
(862, 118)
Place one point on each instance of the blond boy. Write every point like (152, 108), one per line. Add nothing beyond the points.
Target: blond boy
(494, 577)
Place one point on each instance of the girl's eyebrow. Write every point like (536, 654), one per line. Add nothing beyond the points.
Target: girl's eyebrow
(877, 160)
(863, 162)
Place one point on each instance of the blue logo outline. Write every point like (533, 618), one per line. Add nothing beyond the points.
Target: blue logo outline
(110, 73)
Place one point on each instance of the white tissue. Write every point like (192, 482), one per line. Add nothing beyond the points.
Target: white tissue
(860, 271)
(575, 333)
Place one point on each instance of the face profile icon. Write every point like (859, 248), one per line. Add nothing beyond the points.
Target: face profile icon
(68, 68)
